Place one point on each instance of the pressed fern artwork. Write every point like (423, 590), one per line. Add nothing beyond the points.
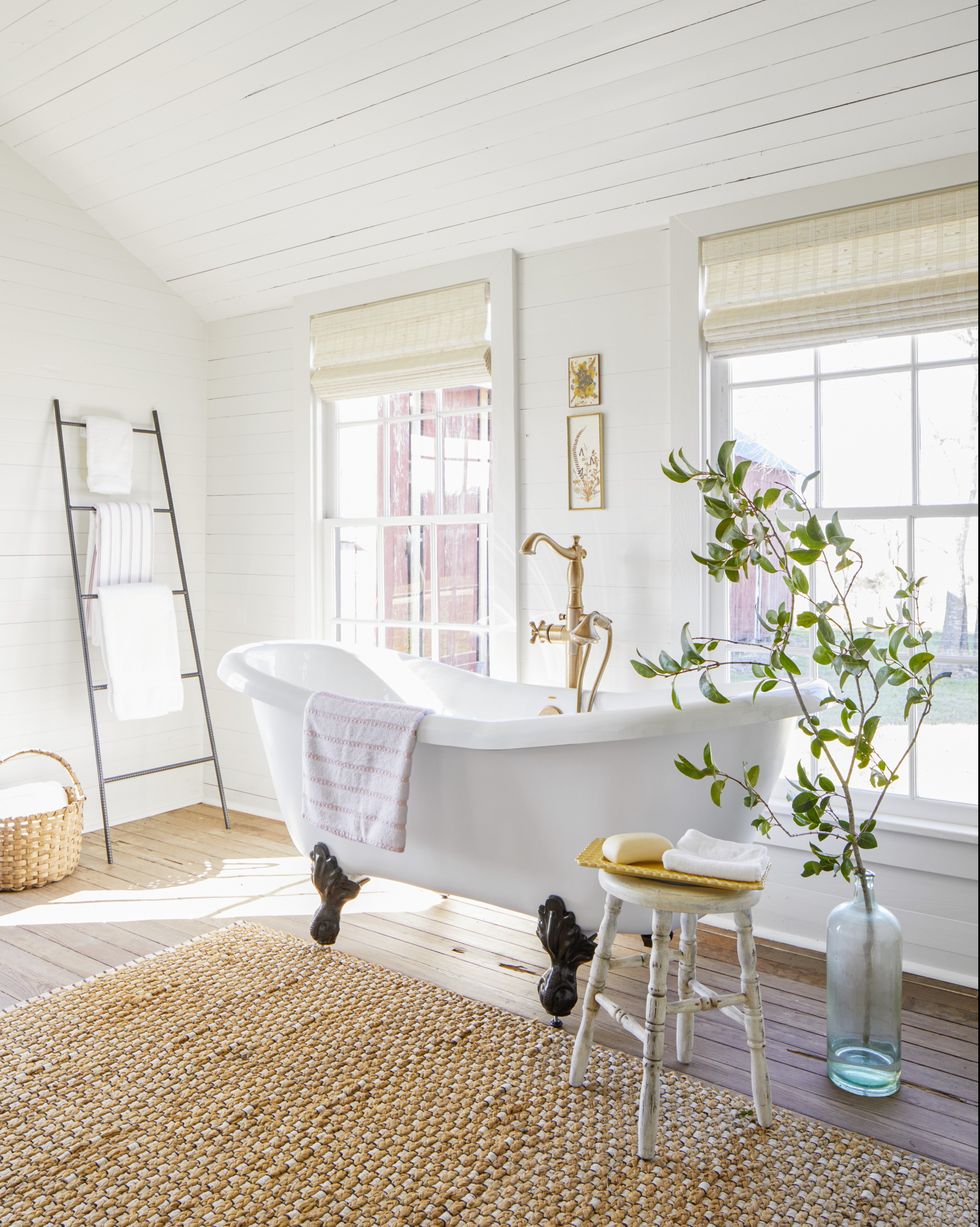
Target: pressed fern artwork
(585, 484)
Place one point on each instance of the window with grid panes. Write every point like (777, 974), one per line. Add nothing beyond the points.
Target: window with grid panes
(891, 425)
(409, 526)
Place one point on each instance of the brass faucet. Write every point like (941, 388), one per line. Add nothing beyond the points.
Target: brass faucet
(560, 631)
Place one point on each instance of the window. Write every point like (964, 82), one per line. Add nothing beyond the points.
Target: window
(406, 422)
(409, 538)
(829, 408)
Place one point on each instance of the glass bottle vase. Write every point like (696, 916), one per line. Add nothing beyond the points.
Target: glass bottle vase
(864, 994)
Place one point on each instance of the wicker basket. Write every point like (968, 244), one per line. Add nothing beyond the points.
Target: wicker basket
(39, 848)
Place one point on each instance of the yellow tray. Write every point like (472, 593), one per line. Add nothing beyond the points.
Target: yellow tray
(592, 858)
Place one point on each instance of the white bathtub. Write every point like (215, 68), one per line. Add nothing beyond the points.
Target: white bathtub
(502, 799)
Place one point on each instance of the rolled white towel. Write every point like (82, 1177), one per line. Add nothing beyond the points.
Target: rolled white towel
(21, 800)
(708, 857)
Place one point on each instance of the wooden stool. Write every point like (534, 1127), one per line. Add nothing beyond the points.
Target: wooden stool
(691, 902)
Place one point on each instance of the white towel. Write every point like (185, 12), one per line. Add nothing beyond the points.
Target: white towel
(108, 454)
(717, 858)
(120, 551)
(357, 760)
(141, 652)
(21, 800)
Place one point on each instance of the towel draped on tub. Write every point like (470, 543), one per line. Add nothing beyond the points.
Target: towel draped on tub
(357, 761)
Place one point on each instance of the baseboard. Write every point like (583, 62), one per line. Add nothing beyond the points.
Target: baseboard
(801, 942)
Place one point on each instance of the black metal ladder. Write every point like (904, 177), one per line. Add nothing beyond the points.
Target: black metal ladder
(81, 597)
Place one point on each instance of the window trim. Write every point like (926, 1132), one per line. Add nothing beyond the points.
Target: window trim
(720, 428)
(312, 580)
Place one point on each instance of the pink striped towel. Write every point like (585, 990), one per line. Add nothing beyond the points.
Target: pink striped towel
(357, 759)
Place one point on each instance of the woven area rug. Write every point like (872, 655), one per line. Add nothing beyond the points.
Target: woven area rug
(253, 1078)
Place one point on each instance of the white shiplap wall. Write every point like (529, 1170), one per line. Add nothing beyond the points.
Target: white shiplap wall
(82, 320)
(610, 296)
(251, 529)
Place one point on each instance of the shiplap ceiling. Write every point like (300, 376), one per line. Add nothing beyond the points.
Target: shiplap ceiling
(252, 150)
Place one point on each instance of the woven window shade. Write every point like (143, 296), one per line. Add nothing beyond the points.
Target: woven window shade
(433, 340)
(906, 265)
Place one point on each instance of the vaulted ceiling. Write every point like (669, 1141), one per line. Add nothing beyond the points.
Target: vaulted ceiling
(252, 150)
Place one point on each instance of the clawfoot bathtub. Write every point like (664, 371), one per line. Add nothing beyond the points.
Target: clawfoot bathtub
(502, 800)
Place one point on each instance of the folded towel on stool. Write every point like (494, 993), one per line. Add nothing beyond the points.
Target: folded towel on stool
(717, 858)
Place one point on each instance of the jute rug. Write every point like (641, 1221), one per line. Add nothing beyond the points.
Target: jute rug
(253, 1078)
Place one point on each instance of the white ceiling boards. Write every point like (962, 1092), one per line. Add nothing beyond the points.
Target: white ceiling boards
(250, 151)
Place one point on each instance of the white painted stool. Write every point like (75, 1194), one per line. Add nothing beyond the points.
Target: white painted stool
(691, 902)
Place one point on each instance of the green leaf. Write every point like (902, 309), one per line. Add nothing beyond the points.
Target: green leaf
(825, 630)
(642, 669)
(806, 619)
(806, 557)
(709, 690)
(675, 701)
(689, 651)
(814, 530)
(752, 775)
(741, 472)
(919, 661)
(716, 508)
(800, 581)
(685, 767)
(717, 788)
(674, 475)
(725, 453)
(822, 655)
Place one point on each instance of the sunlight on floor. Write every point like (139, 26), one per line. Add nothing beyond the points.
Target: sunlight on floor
(232, 888)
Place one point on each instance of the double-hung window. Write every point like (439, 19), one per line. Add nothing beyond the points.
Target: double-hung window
(406, 398)
(884, 406)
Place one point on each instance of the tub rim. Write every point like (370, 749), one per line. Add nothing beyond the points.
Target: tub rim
(240, 674)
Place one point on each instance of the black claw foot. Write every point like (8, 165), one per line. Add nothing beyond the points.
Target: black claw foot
(335, 888)
(568, 948)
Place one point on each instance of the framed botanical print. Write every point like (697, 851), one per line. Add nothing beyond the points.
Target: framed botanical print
(585, 482)
(583, 381)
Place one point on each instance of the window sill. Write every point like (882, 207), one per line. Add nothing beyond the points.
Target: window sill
(924, 828)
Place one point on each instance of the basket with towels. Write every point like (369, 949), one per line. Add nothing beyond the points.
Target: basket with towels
(40, 828)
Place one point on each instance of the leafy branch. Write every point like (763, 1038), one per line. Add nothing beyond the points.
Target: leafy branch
(775, 530)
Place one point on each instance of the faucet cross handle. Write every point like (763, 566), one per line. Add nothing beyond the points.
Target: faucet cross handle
(539, 630)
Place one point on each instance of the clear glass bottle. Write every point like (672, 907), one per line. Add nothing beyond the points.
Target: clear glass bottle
(864, 994)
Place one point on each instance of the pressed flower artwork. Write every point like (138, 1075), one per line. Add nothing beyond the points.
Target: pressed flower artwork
(583, 381)
(585, 492)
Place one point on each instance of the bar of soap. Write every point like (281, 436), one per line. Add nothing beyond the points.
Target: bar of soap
(634, 847)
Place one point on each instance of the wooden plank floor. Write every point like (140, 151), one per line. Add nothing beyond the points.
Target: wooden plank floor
(181, 874)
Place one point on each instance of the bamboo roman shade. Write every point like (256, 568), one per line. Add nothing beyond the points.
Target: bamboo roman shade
(438, 339)
(906, 265)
